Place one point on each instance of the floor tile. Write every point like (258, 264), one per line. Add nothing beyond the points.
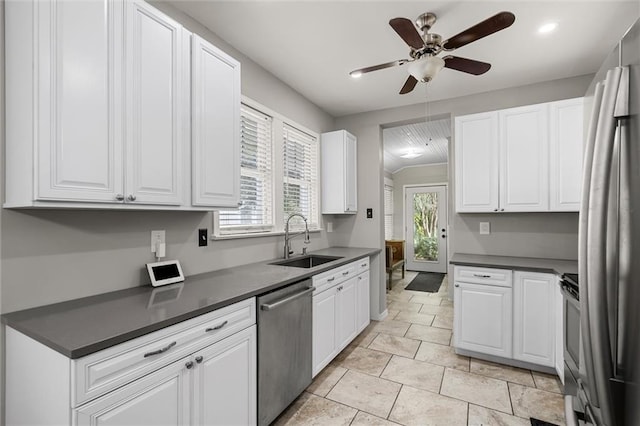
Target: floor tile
(429, 334)
(415, 318)
(547, 382)
(442, 355)
(310, 409)
(529, 402)
(326, 380)
(480, 416)
(399, 296)
(366, 419)
(480, 390)
(502, 372)
(366, 336)
(367, 393)
(391, 314)
(364, 360)
(418, 374)
(437, 310)
(395, 345)
(443, 321)
(446, 302)
(426, 299)
(419, 407)
(405, 306)
(393, 327)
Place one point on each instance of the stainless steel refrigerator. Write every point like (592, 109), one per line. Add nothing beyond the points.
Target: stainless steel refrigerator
(609, 253)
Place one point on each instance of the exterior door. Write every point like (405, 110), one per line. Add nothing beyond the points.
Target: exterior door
(425, 223)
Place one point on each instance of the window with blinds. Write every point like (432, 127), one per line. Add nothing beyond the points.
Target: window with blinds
(300, 176)
(388, 212)
(255, 213)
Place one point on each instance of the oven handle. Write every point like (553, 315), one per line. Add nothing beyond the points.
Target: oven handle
(271, 306)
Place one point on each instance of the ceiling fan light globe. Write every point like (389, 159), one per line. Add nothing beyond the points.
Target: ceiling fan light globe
(355, 74)
(426, 68)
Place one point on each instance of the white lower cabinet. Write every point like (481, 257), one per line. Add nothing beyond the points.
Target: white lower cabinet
(340, 310)
(534, 318)
(202, 371)
(512, 319)
(483, 318)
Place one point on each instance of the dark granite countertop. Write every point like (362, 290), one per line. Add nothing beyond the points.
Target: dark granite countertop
(533, 264)
(83, 326)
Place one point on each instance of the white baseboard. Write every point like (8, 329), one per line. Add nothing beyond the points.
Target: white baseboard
(380, 317)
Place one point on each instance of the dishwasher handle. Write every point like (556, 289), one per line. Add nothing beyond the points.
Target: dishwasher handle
(271, 306)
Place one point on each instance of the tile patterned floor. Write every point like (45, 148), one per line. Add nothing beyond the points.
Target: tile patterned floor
(402, 370)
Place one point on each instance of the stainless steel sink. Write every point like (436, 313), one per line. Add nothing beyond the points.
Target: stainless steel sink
(306, 261)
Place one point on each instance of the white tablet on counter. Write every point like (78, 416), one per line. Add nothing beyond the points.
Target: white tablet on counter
(167, 272)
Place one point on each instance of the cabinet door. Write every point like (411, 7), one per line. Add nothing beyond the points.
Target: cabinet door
(559, 330)
(534, 310)
(565, 159)
(157, 75)
(482, 318)
(225, 387)
(476, 162)
(215, 126)
(79, 119)
(161, 398)
(324, 329)
(524, 164)
(363, 317)
(350, 173)
(347, 307)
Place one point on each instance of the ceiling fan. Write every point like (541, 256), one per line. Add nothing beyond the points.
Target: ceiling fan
(424, 63)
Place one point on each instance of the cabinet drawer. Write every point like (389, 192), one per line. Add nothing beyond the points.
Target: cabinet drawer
(362, 265)
(108, 369)
(488, 276)
(332, 277)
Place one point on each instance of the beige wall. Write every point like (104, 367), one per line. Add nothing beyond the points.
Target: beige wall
(415, 175)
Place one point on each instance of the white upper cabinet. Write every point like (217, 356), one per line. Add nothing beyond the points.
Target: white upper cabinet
(566, 140)
(524, 168)
(525, 159)
(215, 125)
(339, 158)
(476, 157)
(157, 90)
(98, 98)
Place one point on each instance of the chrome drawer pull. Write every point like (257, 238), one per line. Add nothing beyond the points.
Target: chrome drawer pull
(482, 276)
(160, 351)
(331, 279)
(217, 327)
(363, 265)
(345, 273)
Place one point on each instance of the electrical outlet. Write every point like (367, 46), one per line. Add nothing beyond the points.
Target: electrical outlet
(485, 228)
(369, 213)
(203, 238)
(157, 237)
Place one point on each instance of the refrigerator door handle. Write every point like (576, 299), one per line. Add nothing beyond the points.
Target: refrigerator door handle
(597, 243)
(583, 245)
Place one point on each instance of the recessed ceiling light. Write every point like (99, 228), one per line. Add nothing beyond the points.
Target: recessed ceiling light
(548, 27)
(355, 74)
(411, 154)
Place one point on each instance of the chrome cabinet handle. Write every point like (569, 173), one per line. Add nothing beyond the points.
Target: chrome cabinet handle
(495, 210)
(189, 365)
(501, 210)
(199, 359)
(363, 265)
(331, 279)
(161, 350)
(482, 276)
(340, 288)
(119, 197)
(269, 307)
(457, 285)
(345, 273)
(217, 327)
(131, 197)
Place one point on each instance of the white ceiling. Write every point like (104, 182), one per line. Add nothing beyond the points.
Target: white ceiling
(430, 139)
(312, 45)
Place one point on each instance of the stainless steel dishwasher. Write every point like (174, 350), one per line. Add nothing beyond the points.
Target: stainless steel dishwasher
(284, 348)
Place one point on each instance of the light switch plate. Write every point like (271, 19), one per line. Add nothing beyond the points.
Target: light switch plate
(485, 228)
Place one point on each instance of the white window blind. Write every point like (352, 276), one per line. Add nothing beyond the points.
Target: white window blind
(255, 213)
(300, 176)
(388, 212)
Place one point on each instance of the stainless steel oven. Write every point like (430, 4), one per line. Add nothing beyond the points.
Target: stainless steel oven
(571, 340)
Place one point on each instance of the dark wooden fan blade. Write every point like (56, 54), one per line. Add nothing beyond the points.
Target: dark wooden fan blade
(407, 31)
(409, 85)
(466, 65)
(487, 27)
(378, 67)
